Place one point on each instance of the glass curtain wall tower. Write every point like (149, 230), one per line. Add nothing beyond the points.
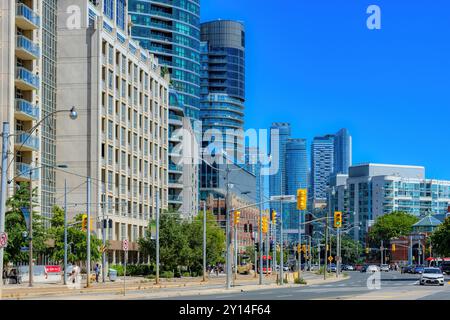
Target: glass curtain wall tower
(171, 31)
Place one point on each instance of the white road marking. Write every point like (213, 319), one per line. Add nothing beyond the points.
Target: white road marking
(284, 296)
(270, 292)
(221, 297)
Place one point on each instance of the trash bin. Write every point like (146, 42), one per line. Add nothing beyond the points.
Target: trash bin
(112, 275)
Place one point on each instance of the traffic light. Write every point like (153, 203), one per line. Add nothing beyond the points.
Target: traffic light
(84, 222)
(237, 215)
(337, 219)
(328, 248)
(271, 245)
(301, 199)
(257, 246)
(274, 217)
(298, 248)
(367, 250)
(265, 225)
(304, 248)
(393, 247)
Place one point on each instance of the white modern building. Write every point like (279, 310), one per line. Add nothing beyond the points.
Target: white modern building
(120, 139)
(372, 190)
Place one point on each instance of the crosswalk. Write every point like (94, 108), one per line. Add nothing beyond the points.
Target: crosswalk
(363, 285)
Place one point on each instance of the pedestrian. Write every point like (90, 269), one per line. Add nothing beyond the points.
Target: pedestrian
(97, 272)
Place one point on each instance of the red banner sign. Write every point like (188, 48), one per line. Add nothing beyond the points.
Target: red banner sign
(52, 269)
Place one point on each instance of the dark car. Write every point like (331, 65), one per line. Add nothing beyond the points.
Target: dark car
(445, 267)
(364, 268)
(406, 269)
(418, 269)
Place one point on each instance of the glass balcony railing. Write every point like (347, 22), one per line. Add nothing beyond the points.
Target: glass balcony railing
(174, 167)
(27, 140)
(27, 77)
(175, 181)
(161, 25)
(28, 45)
(175, 198)
(25, 171)
(27, 108)
(161, 13)
(175, 117)
(28, 14)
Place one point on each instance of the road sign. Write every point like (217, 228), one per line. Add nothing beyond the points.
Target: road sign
(330, 258)
(24, 249)
(287, 198)
(3, 239)
(125, 245)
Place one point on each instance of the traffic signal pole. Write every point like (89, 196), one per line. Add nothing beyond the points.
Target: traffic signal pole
(260, 236)
(88, 228)
(268, 244)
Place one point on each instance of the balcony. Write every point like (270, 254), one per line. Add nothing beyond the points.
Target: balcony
(174, 119)
(26, 111)
(24, 171)
(175, 199)
(26, 142)
(175, 183)
(27, 49)
(175, 168)
(26, 80)
(26, 18)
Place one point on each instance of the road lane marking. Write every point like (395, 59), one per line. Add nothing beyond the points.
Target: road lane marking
(284, 296)
(266, 292)
(221, 297)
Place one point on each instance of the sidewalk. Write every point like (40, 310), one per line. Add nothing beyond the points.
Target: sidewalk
(112, 290)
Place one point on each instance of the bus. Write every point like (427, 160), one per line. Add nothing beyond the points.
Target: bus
(266, 259)
(437, 262)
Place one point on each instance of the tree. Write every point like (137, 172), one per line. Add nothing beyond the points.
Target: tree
(16, 226)
(440, 239)
(350, 249)
(393, 225)
(76, 240)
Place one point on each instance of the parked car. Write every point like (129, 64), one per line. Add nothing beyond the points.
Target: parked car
(332, 268)
(358, 267)
(384, 267)
(373, 268)
(418, 269)
(432, 276)
(349, 267)
(364, 268)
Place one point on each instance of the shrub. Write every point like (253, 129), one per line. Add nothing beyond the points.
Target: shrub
(167, 274)
(186, 274)
(300, 281)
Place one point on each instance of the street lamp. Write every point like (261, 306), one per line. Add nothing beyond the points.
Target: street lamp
(73, 114)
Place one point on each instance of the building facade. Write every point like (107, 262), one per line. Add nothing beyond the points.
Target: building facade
(21, 87)
(342, 151)
(322, 166)
(223, 84)
(120, 139)
(171, 31)
(372, 190)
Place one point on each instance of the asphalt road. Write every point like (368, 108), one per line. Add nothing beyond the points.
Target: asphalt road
(392, 286)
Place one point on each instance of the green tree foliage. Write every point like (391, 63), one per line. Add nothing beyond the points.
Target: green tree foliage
(76, 239)
(440, 239)
(16, 226)
(181, 242)
(393, 225)
(350, 249)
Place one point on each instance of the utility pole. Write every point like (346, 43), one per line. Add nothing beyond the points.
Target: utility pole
(157, 237)
(281, 230)
(235, 251)
(318, 251)
(381, 251)
(268, 244)
(228, 229)
(104, 225)
(326, 246)
(30, 233)
(65, 231)
(204, 241)
(88, 228)
(310, 253)
(338, 251)
(260, 235)
(3, 193)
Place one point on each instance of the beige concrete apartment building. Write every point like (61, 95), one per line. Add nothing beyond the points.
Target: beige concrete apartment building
(120, 138)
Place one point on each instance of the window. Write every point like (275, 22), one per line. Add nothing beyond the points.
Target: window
(120, 13)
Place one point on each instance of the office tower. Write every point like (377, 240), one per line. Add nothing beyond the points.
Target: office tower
(296, 178)
(342, 151)
(223, 84)
(120, 139)
(171, 31)
(322, 166)
(183, 169)
(277, 182)
(21, 95)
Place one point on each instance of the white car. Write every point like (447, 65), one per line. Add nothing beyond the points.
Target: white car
(432, 276)
(373, 268)
(349, 268)
(384, 267)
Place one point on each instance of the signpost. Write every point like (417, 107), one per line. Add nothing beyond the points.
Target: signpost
(125, 249)
(3, 239)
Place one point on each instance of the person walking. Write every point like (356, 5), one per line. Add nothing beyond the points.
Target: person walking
(97, 272)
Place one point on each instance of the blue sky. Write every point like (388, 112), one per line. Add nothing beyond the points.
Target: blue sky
(315, 64)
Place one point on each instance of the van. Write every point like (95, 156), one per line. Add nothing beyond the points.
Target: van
(445, 267)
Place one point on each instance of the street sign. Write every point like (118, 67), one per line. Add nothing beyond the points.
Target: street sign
(286, 198)
(125, 245)
(330, 258)
(3, 239)
(24, 249)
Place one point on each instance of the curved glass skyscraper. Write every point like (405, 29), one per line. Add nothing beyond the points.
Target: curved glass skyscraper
(170, 29)
(223, 82)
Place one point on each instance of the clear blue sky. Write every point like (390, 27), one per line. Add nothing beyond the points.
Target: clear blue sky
(315, 64)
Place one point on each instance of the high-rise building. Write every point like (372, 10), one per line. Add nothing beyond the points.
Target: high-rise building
(171, 31)
(183, 168)
(120, 139)
(322, 166)
(296, 178)
(223, 83)
(372, 190)
(342, 151)
(21, 88)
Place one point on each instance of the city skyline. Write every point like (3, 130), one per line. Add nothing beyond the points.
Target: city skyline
(344, 75)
